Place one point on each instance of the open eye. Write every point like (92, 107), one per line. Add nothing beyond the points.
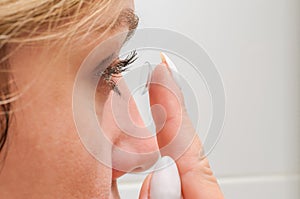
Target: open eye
(115, 69)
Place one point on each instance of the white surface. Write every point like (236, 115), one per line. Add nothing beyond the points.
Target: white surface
(256, 47)
(247, 187)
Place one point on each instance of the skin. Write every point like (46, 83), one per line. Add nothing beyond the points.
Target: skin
(45, 156)
(197, 179)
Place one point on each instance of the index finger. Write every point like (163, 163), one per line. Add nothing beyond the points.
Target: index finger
(179, 140)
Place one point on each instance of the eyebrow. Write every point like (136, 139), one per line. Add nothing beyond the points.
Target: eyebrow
(127, 18)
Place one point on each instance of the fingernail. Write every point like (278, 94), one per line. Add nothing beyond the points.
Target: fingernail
(171, 66)
(168, 61)
(165, 182)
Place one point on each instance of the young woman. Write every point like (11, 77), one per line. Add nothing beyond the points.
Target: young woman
(43, 44)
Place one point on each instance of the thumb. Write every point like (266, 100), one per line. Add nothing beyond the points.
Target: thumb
(163, 183)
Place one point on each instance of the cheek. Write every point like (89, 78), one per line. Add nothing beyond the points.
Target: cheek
(46, 141)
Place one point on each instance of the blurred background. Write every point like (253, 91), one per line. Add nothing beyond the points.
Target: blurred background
(255, 45)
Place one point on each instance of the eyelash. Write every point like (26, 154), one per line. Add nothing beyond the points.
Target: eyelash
(115, 69)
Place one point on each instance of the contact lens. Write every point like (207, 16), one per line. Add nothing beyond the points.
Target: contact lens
(146, 73)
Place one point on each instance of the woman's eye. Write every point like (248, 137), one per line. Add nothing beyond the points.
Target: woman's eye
(114, 70)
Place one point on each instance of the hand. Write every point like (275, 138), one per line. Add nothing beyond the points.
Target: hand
(197, 179)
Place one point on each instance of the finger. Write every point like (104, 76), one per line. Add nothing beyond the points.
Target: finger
(177, 132)
(145, 189)
(165, 181)
(178, 139)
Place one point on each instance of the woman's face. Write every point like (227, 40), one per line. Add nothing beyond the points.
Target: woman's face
(46, 158)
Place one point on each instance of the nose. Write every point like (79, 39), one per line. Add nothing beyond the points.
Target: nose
(134, 147)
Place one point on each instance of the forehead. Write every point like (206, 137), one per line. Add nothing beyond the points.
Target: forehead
(117, 18)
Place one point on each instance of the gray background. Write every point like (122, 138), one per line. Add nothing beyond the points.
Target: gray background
(256, 47)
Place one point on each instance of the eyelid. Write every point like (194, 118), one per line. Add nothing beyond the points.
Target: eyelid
(116, 68)
(104, 64)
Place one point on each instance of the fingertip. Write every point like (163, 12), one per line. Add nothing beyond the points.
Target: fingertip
(165, 182)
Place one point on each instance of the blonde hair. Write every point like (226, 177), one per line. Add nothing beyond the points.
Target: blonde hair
(27, 21)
